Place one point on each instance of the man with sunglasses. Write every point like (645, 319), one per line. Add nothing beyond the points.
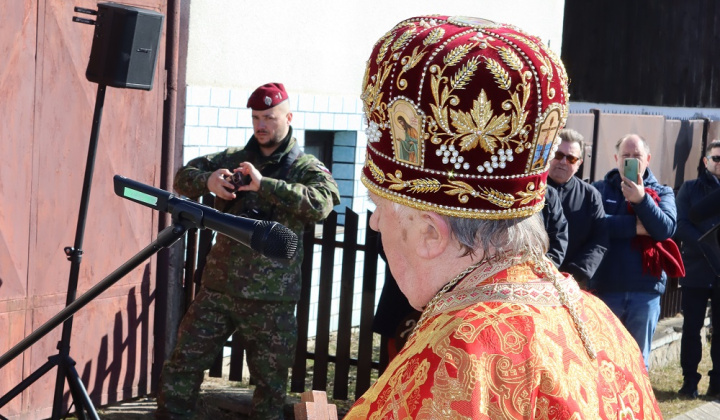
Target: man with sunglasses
(582, 207)
(700, 282)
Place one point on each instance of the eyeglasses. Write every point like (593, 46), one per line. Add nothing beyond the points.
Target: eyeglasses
(570, 158)
(715, 159)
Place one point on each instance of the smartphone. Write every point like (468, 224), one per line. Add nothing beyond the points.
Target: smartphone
(630, 169)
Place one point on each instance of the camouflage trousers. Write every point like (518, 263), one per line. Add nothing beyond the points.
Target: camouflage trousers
(269, 333)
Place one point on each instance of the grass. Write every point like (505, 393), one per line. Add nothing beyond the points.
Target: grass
(667, 380)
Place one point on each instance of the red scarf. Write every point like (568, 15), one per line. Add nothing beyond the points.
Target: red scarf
(658, 256)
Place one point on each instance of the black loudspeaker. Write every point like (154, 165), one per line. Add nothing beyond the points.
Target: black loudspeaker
(125, 46)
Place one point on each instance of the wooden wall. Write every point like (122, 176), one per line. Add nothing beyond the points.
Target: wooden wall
(643, 52)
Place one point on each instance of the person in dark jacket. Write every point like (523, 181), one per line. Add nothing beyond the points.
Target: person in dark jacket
(700, 283)
(582, 207)
(705, 208)
(556, 226)
(637, 209)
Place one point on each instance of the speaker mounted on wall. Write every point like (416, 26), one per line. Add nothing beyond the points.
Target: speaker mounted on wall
(125, 45)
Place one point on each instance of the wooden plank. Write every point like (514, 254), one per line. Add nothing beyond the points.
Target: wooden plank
(322, 336)
(216, 368)
(236, 358)
(347, 290)
(297, 382)
(367, 314)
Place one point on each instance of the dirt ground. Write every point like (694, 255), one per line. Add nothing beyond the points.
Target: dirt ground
(220, 399)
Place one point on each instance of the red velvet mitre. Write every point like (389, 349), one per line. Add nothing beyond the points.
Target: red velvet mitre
(462, 117)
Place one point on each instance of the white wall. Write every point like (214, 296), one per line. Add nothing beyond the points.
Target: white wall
(320, 46)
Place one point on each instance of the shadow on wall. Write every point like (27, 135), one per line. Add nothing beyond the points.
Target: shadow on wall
(120, 363)
(676, 146)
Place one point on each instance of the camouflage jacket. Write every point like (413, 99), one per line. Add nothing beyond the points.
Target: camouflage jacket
(307, 195)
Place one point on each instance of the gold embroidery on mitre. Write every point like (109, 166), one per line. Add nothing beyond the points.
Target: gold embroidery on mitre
(461, 189)
(467, 212)
(548, 58)
(548, 126)
(410, 61)
(481, 127)
(407, 132)
(531, 193)
(414, 186)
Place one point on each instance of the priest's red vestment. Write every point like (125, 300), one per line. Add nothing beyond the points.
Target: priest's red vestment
(501, 345)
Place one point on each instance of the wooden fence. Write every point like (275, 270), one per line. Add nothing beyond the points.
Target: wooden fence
(198, 246)
(365, 363)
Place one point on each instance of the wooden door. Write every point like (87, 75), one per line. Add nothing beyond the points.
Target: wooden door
(45, 123)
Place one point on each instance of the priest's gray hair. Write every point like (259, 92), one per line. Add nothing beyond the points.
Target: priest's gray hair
(502, 237)
(511, 237)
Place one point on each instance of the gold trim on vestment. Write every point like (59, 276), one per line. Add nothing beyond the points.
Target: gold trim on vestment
(470, 290)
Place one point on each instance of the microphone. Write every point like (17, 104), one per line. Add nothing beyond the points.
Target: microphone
(270, 239)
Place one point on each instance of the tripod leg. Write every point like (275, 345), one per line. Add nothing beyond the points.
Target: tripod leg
(59, 385)
(80, 395)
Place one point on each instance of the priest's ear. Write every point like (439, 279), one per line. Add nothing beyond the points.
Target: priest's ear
(434, 235)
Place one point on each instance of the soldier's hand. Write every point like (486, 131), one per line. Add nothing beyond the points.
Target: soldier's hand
(256, 177)
(219, 186)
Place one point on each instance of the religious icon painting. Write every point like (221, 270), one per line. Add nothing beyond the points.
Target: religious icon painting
(549, 128)
(407, 132)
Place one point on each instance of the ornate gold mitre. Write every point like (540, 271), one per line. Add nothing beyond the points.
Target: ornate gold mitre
(462, 116)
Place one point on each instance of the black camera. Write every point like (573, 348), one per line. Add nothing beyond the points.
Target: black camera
(238, 180)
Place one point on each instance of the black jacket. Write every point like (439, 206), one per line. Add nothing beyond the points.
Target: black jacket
(692, 198)
(707, 207)
(587, 238)
(556, 226)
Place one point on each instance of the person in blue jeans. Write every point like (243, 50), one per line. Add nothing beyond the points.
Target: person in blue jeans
(701, 282)
(640, 219)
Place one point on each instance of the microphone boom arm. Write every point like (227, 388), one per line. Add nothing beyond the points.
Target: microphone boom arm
(271, 239)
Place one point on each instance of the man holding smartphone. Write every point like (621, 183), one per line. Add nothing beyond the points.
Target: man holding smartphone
(641, 218)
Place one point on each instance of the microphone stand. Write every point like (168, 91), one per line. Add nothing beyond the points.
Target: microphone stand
(165, 238)
(65, 364)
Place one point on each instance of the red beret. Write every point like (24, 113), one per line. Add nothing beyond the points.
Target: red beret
(462, 117)
(267, 96)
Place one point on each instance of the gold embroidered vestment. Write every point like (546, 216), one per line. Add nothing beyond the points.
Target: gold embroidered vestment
(501, 345)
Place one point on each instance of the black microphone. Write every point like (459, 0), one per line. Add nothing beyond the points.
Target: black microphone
(270, 239)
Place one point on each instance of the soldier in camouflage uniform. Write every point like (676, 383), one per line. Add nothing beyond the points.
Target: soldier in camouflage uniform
(242, 290)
